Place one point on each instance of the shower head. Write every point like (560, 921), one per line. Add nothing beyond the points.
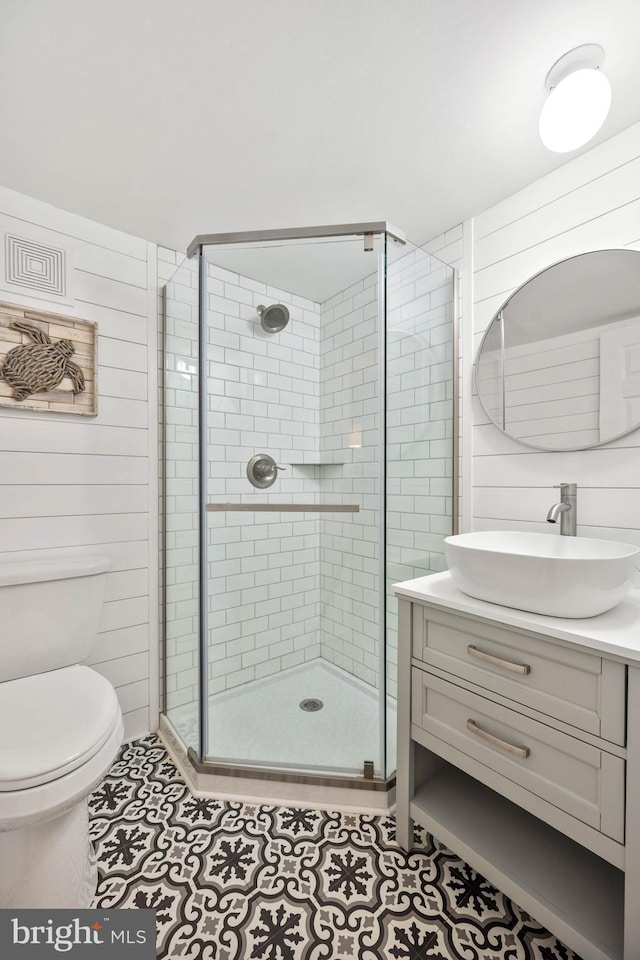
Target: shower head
(273, 318)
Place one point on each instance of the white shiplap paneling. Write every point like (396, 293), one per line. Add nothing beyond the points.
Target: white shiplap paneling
(90, 485)
(589, 203)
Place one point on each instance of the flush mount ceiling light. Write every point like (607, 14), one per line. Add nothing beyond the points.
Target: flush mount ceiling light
(578, 101)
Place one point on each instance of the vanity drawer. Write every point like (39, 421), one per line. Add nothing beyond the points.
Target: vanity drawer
(582, 780)
(573, 685)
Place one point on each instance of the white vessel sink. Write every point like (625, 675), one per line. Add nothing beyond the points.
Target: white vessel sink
(541, 573)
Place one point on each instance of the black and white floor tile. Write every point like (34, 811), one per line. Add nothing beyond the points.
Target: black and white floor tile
(234, 881)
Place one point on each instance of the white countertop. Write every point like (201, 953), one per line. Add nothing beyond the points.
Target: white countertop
(616, 632)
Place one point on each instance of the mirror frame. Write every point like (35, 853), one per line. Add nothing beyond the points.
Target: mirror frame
(526, 443)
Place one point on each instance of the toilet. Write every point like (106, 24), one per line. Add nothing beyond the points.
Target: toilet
(60, 728)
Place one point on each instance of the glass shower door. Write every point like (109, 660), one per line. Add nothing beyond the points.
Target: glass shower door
(295, 663)
(180, 569)
(420, 432)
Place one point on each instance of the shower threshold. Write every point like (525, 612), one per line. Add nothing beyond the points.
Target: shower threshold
(268, 748)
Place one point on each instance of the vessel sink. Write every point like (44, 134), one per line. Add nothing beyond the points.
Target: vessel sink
(556, 576)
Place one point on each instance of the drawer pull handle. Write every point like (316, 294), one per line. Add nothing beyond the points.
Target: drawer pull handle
(521, 668)
(522, 752)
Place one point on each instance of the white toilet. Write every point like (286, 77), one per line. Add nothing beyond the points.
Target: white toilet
(60, 728)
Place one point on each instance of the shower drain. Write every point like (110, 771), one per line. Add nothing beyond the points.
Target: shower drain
(311, 704)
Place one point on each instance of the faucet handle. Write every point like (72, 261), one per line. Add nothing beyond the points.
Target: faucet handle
(568, 491)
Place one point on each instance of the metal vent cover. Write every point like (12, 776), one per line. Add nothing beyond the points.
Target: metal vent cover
(35, 265)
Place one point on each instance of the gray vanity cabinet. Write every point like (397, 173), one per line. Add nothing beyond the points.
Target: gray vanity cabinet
(520, 751)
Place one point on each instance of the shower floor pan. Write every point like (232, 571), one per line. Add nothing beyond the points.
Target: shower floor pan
(262, 723)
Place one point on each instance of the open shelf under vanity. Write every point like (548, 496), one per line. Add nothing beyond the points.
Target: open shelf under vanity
(563, 885)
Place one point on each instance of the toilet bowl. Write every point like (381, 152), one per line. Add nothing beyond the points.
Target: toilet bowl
(60, 729)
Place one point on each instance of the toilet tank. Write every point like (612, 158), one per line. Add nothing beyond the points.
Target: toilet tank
(49, 612)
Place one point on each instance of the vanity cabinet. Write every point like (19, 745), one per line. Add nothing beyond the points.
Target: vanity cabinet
(519, 749)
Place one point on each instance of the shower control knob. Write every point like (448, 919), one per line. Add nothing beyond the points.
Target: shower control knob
(262, 470)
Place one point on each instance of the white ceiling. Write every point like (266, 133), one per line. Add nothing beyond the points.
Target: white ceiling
(169, 118)
(312, 268)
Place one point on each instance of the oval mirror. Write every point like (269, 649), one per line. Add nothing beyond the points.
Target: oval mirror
(559, 365)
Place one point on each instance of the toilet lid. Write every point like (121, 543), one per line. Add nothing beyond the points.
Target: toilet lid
(52, 723)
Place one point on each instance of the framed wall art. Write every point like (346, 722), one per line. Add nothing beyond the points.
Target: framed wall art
(47, 362)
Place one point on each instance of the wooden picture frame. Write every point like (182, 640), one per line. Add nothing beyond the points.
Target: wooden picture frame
(38, 332)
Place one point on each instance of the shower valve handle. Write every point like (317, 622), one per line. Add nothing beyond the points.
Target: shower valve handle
(265, 469)
(262, 470)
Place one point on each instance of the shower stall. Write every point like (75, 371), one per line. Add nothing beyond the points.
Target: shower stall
(309, 428)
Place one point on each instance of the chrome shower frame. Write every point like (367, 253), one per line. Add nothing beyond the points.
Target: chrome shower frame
(295, 233)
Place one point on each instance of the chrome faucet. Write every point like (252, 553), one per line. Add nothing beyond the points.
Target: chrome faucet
(566, 509)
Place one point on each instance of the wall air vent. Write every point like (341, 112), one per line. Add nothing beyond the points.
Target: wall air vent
(35, 266)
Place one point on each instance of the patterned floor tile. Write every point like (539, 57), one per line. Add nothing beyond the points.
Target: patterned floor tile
(234, 881)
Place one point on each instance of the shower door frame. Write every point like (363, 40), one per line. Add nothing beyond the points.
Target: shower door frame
(295, 233)
(198, 760)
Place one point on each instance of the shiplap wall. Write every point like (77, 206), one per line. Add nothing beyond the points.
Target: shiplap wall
(592, 202)
(90, 485)
(551, 388)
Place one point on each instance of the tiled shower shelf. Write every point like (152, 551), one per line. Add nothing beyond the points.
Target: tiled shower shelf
(316, 461)
(283, 507)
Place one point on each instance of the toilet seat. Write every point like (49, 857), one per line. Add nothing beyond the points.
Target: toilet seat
(61, 773)
(51, 724)
(26, 808)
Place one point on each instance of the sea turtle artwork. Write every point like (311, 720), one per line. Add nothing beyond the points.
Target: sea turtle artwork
(41, 365)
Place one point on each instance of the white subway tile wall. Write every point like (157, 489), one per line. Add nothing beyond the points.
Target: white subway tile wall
(350, 421)
(420, 345)
(448, 248)
(264, 591)
(286, 588)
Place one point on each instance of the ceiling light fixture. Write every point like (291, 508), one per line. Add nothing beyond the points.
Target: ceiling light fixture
(578, 101)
